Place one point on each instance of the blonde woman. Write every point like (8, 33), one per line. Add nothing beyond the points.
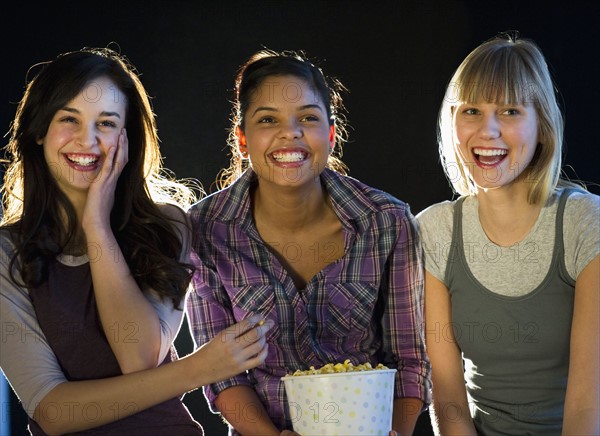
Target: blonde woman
(512, 266)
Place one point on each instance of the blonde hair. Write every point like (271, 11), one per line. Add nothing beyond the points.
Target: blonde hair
(511, 71)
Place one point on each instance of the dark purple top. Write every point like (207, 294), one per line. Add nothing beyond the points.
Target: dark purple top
(65, 307)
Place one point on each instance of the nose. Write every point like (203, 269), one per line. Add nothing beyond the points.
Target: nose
(291, 130)
(87, 136)
(489, 127)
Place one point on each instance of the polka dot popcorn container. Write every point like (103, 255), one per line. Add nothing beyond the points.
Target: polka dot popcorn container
(348, 403)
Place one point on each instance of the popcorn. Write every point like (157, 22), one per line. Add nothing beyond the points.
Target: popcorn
(334, 368)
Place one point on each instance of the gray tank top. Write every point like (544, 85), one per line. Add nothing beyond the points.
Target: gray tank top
(515, 349)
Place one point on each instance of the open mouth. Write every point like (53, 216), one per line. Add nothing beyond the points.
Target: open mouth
(490, 156)
(83, 160)
(283, 156)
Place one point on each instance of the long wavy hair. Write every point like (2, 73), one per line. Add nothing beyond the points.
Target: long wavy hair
(268, 63)
(42, 220)
(506, 70)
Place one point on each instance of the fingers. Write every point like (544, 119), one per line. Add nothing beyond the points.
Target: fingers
(247, 340)
(117, 156)
(109, 160)
(257, 332)
(236, 349)
(256, 348)
(251, 329)
(257, 359)
(122, 149)
(249, 323)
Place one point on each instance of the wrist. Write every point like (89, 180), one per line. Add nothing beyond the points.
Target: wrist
(96, 226)
(195, 374)
(99, 236)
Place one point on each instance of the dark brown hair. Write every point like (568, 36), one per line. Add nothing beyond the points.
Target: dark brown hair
(268, 63)
(34, 208)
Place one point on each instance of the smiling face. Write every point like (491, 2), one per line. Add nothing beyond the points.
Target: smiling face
(80, 134)
(495, 142)
(286, 134)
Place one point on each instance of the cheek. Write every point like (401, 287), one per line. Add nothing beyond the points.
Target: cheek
(257, 142)
(56, 138)
(52, 144)
(50, 152)
(531, 130)
(52, 160)
(534, 138)
(460, 147)
(530, 152)
(107, 140)
(461, 134)
(529, 141)
(323, 135)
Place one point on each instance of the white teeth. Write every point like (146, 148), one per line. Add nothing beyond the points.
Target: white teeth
(83, 160)
(489, 152)
(294, 156)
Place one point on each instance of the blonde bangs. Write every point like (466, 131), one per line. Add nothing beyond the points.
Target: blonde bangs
(495, 76)
(505, 72)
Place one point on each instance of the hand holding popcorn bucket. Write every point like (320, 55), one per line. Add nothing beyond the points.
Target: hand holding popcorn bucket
(341, 399)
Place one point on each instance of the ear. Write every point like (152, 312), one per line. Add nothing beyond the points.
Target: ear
(39, 141)
(241, 139)
(331, 137)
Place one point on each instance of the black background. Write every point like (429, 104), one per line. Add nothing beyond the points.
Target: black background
(395, 58)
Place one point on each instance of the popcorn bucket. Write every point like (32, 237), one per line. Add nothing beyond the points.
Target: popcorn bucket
(349, 403)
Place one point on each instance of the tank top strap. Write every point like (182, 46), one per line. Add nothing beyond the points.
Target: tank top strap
(562, 203)
(455, 252)
(558, 258)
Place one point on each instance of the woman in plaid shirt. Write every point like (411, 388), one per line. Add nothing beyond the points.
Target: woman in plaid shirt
(335, 264)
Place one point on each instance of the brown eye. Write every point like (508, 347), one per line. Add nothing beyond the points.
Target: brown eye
(107, 123)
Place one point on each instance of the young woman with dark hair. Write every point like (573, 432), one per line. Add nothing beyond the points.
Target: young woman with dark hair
(335, 264)
(95, 261)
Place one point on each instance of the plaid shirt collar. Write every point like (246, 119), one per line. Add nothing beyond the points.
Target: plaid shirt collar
(350, 205)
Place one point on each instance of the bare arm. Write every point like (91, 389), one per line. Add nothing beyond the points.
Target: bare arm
(450, 410)
(122, 308)
(229, 353)
(124, 311)
(582, 414)
(242, 408)
(406, 413)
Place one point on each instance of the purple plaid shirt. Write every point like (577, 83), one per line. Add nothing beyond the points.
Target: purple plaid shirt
(366, 306)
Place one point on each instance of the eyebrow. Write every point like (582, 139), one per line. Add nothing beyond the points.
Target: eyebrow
(272, 109)
(103, 113)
